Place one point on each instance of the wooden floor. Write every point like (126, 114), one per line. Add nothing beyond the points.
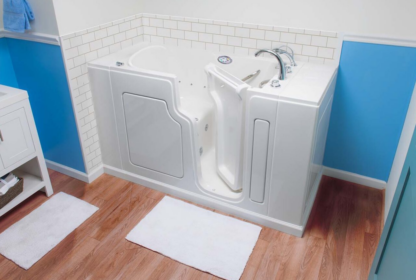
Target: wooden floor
(339, 243)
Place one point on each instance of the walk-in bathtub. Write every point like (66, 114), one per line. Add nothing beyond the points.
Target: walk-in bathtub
(182, 121)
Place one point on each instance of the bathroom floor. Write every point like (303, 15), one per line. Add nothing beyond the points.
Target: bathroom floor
(339, 243)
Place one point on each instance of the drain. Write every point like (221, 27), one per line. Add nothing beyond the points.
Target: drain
(206, 127)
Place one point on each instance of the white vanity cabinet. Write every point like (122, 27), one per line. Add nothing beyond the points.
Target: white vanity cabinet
(20, 150)
(15, 138)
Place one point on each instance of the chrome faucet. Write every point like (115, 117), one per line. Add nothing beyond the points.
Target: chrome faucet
(290, 55)
(279, 58)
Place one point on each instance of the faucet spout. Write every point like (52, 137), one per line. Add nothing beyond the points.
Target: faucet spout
(292, 60)
(279, 58)
(289, 53)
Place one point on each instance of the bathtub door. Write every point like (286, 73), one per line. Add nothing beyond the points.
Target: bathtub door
(228, 93)
(153, 136)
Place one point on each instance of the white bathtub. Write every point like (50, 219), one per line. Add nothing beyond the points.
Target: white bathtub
(179, 121)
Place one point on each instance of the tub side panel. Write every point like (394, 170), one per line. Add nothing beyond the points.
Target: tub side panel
(321, 136)
(292, 155)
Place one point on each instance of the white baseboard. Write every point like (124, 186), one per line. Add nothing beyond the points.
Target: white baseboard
(97, 172)
(354, 178)
(82, 176)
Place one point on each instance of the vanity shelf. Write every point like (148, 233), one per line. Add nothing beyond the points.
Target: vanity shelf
(20, 150)
(31, 185)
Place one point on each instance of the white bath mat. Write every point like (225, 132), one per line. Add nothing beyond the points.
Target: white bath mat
(28, 240)
(197, 237)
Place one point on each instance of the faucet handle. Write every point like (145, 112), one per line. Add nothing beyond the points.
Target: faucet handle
(275, 83)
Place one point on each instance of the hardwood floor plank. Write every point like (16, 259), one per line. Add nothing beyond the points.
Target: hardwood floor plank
(113, 264)
(335, 243)
(135, 260)
(76, 188)
(113, 220)
(351, 262)
(11, 271)
(258, 253)
(163, 271)
(117, 235)
(369, 250)
(312, 259)
(270, 263)
(267, 234)
(71, 261)
(291, 259)
(58, 181)
(153, 194)
(319, 222)
(112, 187)
(195, 274)
(146, 267)
(180, 272)
(255, 259)
(374, 211)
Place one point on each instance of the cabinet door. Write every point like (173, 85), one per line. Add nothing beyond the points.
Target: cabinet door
(15, 138)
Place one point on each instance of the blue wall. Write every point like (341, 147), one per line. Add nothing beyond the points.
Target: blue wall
(7, 75)
(374, 88)
(39, 70)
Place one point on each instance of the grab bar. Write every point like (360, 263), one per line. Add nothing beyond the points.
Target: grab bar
(252, 75)
(261, 85)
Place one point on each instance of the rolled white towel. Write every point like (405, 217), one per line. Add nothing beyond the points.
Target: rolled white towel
(7, 182)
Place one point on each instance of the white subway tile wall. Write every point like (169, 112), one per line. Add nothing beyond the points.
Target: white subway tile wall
(82, 47)
(220, 36)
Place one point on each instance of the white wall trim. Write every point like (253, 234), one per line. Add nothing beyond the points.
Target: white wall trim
(94, 174)
(87, 178)
(67, 170)
(354, 178)
(35, 37)
(383, 40)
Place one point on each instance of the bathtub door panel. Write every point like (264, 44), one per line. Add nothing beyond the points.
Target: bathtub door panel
(153, 136)
(228, 93)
